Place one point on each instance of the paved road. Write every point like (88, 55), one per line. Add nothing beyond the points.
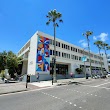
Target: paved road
(93, 95)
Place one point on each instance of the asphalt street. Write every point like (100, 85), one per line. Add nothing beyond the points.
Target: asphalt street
(90, 95)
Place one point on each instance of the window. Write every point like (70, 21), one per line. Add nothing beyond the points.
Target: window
(69, 56)
(79, 58)
(71, 48)
(62, 45)
(59, 44)
(59, 54)
(76, 50)
(56, 43)
(53, 42)
(50, 41)
(66, 46)
(53, 52)
(56, 53)
(62, 54)
(75, 58)
(50, 52)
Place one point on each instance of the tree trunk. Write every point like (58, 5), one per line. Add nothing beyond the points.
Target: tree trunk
(54, 75)
(100, 62)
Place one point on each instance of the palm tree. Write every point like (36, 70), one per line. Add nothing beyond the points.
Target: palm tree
(87, 34)
(54, 16)
(104, 46)
(99, 45)
(108, 47)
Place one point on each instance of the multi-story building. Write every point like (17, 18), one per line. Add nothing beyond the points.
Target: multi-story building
(108, 58)
(38, 52)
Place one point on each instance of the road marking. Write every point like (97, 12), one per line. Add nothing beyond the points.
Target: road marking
(102, 84)
(70, 103)
(75, 105)
(80, 107)
(97, 87)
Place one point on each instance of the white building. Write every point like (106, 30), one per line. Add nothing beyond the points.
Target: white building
(106, 61)
(37, 57)
(108, 58)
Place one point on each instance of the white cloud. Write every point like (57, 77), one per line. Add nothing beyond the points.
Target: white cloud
(94, 38)
(103, 37)
(83, 43)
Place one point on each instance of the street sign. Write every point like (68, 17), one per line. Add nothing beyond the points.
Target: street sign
(84, 58)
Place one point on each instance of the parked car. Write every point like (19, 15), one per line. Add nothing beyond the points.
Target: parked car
(6, 80)
(108, 74)
(103, 76)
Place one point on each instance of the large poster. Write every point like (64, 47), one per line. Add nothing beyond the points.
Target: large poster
(43, 55)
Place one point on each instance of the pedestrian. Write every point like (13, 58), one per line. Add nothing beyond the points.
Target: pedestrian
(71, 75)
(38, 77)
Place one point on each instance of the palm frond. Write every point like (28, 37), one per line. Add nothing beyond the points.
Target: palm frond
(47, 23)
(49, 13)
(108, 47)
(57, 25)
(61, 20)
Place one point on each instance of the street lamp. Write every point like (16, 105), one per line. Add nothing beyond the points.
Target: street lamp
(87, 34)
(84, 63)
(26, 80)
(53, 63)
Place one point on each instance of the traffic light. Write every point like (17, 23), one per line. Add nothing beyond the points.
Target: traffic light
(53, 60)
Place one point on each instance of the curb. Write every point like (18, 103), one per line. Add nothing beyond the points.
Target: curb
(13, 91)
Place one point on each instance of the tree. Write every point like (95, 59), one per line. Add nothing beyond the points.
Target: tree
(9, 60)
(108, 47)
(104, 46)
(87, 34)
(79, 70)
(54, 16)
(99, 45)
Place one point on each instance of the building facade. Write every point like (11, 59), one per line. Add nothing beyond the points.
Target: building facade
(38, 52)
(108, 58)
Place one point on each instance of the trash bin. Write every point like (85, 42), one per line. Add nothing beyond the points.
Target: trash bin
(86, 76)
(28, 78)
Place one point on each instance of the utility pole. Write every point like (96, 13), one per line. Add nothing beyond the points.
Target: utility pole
(84, 64)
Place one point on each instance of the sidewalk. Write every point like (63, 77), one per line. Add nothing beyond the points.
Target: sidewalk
(11, 88)
(59, 82)
(21, 86)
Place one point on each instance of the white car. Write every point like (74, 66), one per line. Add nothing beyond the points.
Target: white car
(6, 80)
(108, 74)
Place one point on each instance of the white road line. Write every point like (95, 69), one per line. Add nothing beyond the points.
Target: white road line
(102, 84)
(75, 105)
(96, 87)
(80, 107)
(70, 103)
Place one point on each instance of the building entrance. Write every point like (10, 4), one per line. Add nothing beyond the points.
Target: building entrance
(60, 69)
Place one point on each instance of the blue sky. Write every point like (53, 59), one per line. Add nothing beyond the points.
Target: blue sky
(20, 19)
